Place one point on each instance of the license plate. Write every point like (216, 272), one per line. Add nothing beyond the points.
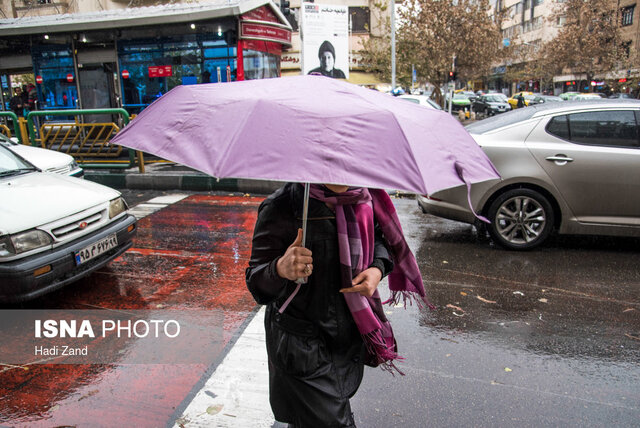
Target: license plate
(94, 250)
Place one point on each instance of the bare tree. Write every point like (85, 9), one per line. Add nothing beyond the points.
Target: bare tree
(589, 41)
(430, 33)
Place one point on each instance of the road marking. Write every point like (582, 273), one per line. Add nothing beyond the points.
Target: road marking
(237, 393)
(152, 205)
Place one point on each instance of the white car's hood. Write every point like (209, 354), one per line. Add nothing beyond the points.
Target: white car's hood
(42, 158)
(33, 199)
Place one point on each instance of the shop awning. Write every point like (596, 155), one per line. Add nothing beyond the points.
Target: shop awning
(134, 17)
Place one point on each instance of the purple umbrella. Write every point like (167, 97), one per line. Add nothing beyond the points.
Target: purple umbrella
(308, 129)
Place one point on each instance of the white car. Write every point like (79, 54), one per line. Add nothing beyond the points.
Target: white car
(422, 100)
(55, 229)
(45, 159)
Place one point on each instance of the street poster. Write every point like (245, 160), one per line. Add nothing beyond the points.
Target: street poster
(325, 40)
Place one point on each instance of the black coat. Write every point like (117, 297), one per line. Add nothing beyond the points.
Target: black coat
(315, 351)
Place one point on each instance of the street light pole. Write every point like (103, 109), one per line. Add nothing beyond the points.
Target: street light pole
(393, 44)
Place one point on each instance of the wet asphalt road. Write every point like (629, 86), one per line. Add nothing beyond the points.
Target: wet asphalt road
(543, 338)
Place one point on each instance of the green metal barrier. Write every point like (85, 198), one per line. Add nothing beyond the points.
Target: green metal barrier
(14, 118)
(118, 111)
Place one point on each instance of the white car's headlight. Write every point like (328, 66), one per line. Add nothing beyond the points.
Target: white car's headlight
(117, 206)
(73, 165)
(23, 242)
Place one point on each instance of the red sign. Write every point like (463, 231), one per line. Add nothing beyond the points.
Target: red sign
(160, 71)
(624, 79)
(263, 13)
(265, 32)
(125, 74)
(38, 79)
(69, 77)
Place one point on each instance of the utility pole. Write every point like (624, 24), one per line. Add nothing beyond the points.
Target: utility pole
(452, 83)
(393, 44)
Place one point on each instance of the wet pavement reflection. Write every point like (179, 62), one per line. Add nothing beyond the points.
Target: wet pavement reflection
(549, 337)
(190, 255)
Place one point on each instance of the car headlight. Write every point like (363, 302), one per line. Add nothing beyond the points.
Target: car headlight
(23, 242)
(117, 206)
(73, 165)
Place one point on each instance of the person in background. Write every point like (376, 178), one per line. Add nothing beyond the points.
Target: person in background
(32, 97)
(16, 104)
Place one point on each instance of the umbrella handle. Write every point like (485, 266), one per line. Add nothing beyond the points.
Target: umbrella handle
(305, 214)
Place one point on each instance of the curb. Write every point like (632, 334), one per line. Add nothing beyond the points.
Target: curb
(179, 181)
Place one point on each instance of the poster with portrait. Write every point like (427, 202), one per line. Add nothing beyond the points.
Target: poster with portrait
(325, 40)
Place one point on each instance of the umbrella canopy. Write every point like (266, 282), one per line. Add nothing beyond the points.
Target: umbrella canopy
(308, 129)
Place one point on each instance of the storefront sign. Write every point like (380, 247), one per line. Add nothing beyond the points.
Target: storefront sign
(160, 71)
(270, 33)
(69, 77)
(39, 79)
(125, 74)
(325, 46)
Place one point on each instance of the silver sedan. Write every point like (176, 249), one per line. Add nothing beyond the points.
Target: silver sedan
(572, 167)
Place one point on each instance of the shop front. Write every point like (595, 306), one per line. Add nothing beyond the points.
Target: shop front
(130, 57)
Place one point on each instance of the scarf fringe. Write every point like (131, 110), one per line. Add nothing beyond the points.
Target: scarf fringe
(384, 357)
(410, 297)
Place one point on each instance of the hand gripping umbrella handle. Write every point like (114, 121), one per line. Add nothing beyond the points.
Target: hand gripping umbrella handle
(305, 213)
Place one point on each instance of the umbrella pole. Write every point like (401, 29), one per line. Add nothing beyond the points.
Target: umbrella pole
(305, 214)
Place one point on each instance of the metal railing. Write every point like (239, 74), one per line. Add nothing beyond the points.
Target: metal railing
(16, 126)
(83, 140)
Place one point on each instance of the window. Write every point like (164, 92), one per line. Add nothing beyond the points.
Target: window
(627, 15)
(537, 2)
(559, 126)
(560, 21)
(599, 128)
(359, 19)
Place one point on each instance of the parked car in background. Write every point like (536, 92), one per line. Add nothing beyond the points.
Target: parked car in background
(621, 96)
(586, 96)
(469, 94)
(422, 100)
(541, 99)
(490, 104)
(44, 159)
(55, 229)
(569, 167)
(459, 102)
(567, 96)
(528, 97)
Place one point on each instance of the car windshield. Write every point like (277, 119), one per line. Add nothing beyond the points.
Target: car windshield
(434, 104)
(504, 119)
(5, 141)
(11, 164)
(460, 97)
(530, 97)
(494, 98)
(411, 100)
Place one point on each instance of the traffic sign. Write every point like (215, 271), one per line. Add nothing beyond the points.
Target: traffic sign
(39, 80)
(125, 74)
(69, 77)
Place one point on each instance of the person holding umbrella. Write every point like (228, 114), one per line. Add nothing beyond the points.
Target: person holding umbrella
(320, 338)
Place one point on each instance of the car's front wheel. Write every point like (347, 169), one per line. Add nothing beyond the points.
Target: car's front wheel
(521, 219)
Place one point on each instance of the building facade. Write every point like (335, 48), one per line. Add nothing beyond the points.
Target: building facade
(527, 24)
(128, 57)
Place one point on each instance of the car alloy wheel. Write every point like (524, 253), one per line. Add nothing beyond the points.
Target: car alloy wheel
(521, 219)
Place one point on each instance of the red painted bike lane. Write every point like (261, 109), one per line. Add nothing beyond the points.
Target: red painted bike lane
(188, 256)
